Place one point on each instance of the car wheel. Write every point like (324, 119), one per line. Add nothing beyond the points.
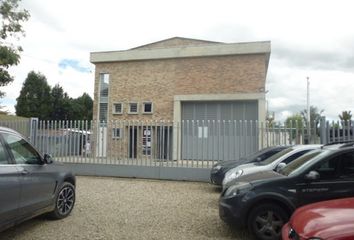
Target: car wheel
(64, 201)
(265, 221)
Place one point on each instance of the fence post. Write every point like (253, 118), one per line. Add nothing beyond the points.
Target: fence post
(323, 131)
(33, 130)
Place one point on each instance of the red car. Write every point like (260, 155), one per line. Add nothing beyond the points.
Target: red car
(328, 220)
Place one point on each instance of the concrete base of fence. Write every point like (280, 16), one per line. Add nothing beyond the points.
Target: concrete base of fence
(151, 172)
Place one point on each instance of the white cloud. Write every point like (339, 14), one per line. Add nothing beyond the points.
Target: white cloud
(309, 38)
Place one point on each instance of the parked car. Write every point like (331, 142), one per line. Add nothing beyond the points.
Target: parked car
(31, 183)
(263, 201)
(330, 220)
(277, 161)
(218, 171)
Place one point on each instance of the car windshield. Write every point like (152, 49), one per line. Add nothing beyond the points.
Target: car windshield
(254, 155)
(300, 163)
(275, 156)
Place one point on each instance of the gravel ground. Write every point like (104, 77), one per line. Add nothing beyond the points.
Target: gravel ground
(116, 208)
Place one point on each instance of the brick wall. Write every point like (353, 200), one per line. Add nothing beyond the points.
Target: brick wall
(159, 80)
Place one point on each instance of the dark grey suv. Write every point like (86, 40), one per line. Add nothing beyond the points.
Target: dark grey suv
(31, 184)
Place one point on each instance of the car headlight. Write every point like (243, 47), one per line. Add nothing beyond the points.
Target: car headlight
(231, 175)
(237, 189)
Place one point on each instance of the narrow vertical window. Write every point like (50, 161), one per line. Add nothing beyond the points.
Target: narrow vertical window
(103, 97)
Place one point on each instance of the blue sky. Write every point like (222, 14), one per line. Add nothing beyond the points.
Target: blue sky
(74, 64)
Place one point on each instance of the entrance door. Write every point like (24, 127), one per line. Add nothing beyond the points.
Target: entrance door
(133, 142)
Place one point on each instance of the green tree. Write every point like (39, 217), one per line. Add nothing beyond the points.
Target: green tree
(34, 99)
(83, 107)
(346, 118)
(61, 104)
(11, 28)
(315, 116)
(295, 124)
(295, 121)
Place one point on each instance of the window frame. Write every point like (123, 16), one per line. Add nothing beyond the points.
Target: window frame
(152, 107)
(137, 108)
(117, 136)
(114, 108)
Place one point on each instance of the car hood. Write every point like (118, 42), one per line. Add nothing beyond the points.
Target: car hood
(245, 166)
(228, 163)
(256, 177)
(327, 220)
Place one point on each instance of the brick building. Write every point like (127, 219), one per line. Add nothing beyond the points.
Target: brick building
(178, 80)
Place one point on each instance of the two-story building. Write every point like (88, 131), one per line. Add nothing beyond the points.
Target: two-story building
(180, 98)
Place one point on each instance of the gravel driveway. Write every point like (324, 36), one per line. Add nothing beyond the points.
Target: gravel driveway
(116, 208)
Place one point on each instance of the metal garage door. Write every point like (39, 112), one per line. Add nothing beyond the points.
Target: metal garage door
(224, 130)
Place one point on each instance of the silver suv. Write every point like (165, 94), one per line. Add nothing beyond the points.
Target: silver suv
(30, 183)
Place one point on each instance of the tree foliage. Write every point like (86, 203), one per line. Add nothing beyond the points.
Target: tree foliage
(11, 28)
(34, 99)
(37, 99)
(60, 102)
(295, 121)
(346, 118)
(315, 116)
(295, 125)
(82, 107)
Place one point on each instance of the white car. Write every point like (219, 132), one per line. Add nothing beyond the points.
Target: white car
(276, 161)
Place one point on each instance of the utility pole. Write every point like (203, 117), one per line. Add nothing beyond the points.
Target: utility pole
(308, 110)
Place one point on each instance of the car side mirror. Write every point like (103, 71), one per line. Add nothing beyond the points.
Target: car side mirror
(48, 158)
(280, 166)
(312, 175)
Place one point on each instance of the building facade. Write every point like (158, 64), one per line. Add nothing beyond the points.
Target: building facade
(178, 81)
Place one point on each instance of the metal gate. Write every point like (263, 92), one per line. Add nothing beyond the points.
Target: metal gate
(224, 130)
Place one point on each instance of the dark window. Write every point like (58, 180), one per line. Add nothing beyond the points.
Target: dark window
(294, 156)
(22, 151)
(147, 107)
(327, 169)
(347, 161)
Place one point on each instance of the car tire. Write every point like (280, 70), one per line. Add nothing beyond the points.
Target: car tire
(265, 221)
(64, 201)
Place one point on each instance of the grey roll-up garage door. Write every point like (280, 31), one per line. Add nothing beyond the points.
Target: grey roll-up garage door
(219, 130)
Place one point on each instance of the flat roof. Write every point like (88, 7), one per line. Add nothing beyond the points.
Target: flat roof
(185, 51)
